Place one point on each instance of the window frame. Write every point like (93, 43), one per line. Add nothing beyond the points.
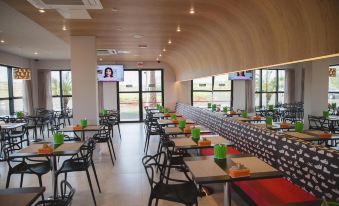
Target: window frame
(331, 92)
(261, 92)
(61, 96)
(211, 91)
(141, 92)
(11, 96)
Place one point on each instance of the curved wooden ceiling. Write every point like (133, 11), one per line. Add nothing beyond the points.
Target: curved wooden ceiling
(222, 36)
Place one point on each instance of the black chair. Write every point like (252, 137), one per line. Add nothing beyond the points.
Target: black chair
(24, 165)
(114, 120)
(78, 164)
(152, 128)
(180, 191)
(104, 137)
(65, 198)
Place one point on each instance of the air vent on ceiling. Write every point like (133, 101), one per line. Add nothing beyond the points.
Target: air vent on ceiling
(106, 52)
(69, 9)
(142, 46)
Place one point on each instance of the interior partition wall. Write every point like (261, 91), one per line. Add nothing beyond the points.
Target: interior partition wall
(11, 92)
(140, 88)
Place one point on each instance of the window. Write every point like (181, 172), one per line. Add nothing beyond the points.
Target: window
(140, 88)
(216, 89)
(333, 86)
(10, 92)
(61, 90)
(269, 87)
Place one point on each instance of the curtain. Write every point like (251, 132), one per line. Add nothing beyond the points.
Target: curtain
(289, 86)
(28, 96)
(100, 96)
(249, 92)
(45, 90)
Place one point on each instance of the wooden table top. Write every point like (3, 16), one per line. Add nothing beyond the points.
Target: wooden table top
(11, 125)
(178, 131)
(186, 143)
(170, 122)
(275, 126)
(20, 196)
(261, 169)
(89, 128)
(310, 135)
(65, 149)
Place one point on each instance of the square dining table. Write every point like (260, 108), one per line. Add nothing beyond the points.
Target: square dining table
(276, 126)
(312, 136)
(65, 149)
(89, 128)
(20, 196)
(207, 170)
(174, 131)
(186, 143)
(167, 122)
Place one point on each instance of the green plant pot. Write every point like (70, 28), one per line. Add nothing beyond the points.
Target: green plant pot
(326, 114)
(195, 132)
(224, 109)
(220, 151)
(299, 127)
(269, 120)
(244, 114)
(173, 116)
(209, 105)
(83, 123)
(58, 138)
(182, 123)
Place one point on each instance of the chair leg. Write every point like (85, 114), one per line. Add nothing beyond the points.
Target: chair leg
(21, 179)
(113, 149)
(65, 184)
(168, 173)
(90, 185)
(55, 185)
(109, 149)
(150, 200)
(148, 140)
(40, 184)
(119, 131)
(8, 179)
(96, 176)
(156, 202)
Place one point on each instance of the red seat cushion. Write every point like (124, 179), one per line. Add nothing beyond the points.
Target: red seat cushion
(210, 151)
(274, 191)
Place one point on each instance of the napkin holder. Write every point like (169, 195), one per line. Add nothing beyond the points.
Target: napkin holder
(284, 125)
(46, 149)
(238, 170)
(325, 135)
(257, 117)
(204, 142)
(220, 151)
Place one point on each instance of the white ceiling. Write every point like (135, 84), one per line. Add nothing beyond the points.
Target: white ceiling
(23, 37)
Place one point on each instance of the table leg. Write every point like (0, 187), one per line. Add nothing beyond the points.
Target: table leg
(227, 198)
(54, 183)
(83, 135)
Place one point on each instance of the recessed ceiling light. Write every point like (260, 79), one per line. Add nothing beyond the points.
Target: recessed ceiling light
(2, 41)
(160, 55)
(64, 28)
(35, 53)
(100, 59)
(178, 28)
(192, 11)
(169, 42)
(42, 11)
(157, 59)
(142, 46)
(115, 9)
(138, 36)
(123, 52)
(163, 49)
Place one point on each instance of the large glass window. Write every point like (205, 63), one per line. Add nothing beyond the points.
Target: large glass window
(61, 89)
(10, 92)
(216, 89)
(269, 87)
(333, 86)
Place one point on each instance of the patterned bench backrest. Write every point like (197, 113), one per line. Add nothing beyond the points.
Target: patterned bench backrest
(312, 167)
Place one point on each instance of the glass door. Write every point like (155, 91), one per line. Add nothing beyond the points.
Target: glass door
(140, 88)
(129, 98)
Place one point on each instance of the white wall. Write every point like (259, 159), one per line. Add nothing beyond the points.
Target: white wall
(183, 91)
(13, 60)
(239, 97)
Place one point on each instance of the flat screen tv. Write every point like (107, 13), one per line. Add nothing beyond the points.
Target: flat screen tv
(242, 75)
(110, 73)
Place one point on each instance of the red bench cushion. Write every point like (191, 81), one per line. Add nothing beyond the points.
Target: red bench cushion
(210, 151)
(274, 191)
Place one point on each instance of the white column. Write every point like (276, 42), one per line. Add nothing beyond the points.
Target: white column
(239, 95)
(84, 79)
(316, 88)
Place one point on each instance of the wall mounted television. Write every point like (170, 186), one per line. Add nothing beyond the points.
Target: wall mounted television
(242, 75)
(110, 73)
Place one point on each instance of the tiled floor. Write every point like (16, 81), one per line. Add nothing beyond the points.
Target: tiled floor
(123, 184)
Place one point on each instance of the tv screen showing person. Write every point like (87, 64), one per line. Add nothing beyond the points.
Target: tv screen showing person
(110, 73)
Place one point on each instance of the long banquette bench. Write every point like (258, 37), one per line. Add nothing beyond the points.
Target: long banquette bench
(311, 171)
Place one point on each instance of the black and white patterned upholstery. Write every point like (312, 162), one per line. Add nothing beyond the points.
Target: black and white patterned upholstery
(312, 167)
